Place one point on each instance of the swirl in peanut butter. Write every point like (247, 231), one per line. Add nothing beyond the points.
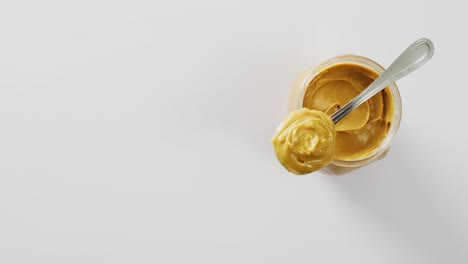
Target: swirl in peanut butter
(362, 130)
(305, 141)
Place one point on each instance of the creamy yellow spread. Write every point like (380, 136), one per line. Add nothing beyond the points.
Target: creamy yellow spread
(305, 141)
(362, 130)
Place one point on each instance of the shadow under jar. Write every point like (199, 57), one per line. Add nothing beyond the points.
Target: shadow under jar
(365, 134)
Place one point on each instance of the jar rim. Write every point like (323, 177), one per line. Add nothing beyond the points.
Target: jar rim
(395, 94)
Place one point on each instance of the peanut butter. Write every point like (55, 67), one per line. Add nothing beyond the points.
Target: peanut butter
(305, 141)
(362, 130)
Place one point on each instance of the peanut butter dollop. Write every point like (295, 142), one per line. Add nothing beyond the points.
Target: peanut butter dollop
(305, 141)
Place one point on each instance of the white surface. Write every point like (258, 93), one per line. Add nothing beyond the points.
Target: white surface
(138, 132)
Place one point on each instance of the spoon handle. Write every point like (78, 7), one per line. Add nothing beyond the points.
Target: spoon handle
(412, 58)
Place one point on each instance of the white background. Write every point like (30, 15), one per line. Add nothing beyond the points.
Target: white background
(138, 132)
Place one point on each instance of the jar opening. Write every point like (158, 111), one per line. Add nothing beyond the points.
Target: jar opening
(308, 77)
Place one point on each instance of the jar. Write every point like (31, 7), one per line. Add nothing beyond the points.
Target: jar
(338, 166)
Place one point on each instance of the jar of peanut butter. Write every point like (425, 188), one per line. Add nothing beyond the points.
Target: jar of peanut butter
(365, 134)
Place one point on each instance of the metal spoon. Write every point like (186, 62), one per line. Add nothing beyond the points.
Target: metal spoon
(412, 58)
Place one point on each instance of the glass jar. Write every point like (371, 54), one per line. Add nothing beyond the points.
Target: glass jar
(337, 166)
